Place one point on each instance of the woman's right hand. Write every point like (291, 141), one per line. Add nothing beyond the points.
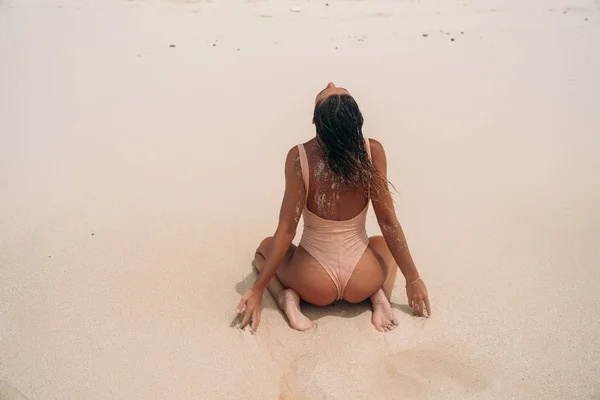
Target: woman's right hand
(252, 299)
(418, 299)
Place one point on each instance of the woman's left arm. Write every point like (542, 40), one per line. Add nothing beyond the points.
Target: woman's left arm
(292, 207)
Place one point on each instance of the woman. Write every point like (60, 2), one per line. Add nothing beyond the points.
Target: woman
(329, 180)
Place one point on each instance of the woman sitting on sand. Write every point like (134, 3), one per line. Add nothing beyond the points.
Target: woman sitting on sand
(330, 180)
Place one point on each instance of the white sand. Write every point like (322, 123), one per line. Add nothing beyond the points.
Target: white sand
(493, 141)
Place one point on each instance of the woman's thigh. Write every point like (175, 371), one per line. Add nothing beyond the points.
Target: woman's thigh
(367, 278)
(305, 275)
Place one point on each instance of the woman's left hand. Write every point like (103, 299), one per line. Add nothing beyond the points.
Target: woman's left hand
(418, 299)
(253, 301)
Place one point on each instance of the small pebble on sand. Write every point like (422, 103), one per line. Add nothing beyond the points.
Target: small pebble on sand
(93, 234)
(452, 40)
(425, 35)
(172, 45)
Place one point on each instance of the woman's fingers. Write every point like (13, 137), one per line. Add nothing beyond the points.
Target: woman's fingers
(417, 306)
(255, 321)
(246, 319)
(428, 306)
(240, 306)
(418, 300)
(253, 310)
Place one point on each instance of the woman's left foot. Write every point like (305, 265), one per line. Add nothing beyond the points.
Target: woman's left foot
(289, 302)
(383, 316)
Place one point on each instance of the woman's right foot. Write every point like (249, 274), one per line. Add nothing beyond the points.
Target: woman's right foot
(383, 316)
(289, 303)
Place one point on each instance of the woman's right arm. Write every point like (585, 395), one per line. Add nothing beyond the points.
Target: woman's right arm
(289, 215)
(391, 229)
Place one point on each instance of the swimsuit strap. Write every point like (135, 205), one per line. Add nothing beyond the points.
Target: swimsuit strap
(368, 148)
(304, 167)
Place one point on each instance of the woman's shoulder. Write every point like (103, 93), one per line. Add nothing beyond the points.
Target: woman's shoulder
(377, 150)
(294, 152)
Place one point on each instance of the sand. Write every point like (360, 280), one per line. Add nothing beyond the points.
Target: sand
(141, 162)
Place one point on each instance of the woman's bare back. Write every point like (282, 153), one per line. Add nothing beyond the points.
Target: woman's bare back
(328, 197)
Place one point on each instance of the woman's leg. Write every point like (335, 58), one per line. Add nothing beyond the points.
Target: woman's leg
(383, 315)
(374, 278)
(287, 299)
(386, 261)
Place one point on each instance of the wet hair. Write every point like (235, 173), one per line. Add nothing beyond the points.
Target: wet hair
(339, 128)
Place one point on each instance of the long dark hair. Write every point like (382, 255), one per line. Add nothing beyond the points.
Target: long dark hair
(339, 128)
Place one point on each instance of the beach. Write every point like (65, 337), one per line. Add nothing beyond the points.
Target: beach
(142, 146)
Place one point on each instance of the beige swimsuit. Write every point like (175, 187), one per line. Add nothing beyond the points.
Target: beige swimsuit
(336, 245)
